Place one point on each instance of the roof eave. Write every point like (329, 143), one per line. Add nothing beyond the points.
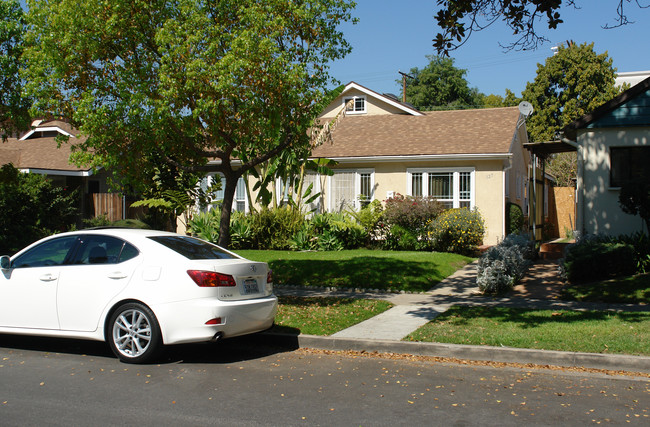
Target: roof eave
(419, 158)
(57, 172)
(571, 130)
(405, 108)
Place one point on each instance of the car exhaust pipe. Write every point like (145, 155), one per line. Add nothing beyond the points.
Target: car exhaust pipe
(217, 337)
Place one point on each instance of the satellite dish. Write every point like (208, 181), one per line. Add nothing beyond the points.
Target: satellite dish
(525, 108)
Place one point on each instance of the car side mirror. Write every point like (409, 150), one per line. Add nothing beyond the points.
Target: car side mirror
(5, 262)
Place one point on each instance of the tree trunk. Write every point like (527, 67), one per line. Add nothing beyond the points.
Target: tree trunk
(226, 209)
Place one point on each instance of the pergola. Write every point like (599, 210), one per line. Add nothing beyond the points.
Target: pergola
(540, 152)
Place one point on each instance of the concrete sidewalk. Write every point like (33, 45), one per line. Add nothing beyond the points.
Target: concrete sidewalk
(383, 333)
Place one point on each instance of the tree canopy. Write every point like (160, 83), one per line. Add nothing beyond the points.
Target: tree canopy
(201, 85)
(570, 84)
(440, 85)
(13, 107)
(458, 19)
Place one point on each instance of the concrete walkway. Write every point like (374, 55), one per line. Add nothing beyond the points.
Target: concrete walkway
(539, 290)
(412, 311)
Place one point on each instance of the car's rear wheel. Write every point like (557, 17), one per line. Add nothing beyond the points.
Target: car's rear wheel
(134, 334)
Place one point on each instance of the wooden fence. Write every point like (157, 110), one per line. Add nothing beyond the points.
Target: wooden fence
(109, 204)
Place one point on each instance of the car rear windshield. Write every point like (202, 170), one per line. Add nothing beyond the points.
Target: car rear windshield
(192, 248)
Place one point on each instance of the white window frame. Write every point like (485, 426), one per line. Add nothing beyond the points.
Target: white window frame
(220, 193)
(357, 186)
(281, 197)
(455, 183)
(315, 189)
(354, 104)
(285, 196)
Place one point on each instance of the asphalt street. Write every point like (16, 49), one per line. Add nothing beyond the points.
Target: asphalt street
(245, 382)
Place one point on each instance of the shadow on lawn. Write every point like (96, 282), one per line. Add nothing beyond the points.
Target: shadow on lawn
(525, 318)
(361, 272)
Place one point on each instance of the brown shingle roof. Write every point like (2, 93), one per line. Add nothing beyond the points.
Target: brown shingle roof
(436, 133)
(39, 153)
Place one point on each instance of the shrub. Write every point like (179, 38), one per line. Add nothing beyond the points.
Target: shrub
(130, 223)
(502, 266)
(514, 218)
(641, 243)
(597, 259)
(274, 228)
(329, 241)
(205, 225)
(32, 208)
(457, 230)
(303, 240)
(398, 238)
(411, 213)
(523, 243)
(368, 217)
(349, 233)
(98, 221)
(241, 231)
(327, 232)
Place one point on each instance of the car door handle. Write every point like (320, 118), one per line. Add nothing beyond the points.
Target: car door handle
(117, 275)
(47, 278)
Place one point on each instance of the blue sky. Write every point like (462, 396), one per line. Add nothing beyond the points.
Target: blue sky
(393, 36)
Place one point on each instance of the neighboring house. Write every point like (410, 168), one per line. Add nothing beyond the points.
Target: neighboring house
(613, 144)
(631, 77)
(37, 151)
(464, 158)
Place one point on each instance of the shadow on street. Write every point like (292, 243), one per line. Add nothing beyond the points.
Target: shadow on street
(227, 351)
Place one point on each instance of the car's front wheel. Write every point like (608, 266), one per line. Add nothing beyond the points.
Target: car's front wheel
(134, 334)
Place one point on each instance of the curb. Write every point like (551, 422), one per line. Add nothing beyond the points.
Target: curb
(468, 352)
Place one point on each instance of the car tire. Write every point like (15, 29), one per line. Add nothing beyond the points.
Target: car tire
(133, 334)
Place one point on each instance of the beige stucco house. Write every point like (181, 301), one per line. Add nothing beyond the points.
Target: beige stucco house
(613, 144)
(465, 158)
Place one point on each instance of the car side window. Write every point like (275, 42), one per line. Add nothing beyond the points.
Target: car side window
(49, 253)
(128, 252)
(97, 249)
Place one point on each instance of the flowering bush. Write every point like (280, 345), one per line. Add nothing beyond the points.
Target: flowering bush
(411, 213)
(502, 266)
(457, 230)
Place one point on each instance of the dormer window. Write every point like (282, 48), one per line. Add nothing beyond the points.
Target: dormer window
(357, 106)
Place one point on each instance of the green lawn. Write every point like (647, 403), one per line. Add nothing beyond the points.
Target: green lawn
(583, 331)
(631, 290)
(324, 316)
(361, 268)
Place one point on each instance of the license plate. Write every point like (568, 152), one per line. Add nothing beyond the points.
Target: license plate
(250, 286)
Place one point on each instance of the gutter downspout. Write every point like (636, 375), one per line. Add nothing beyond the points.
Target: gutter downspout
(580, 210)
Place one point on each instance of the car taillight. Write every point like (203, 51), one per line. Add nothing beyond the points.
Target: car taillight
(211, 279)
(269, 276)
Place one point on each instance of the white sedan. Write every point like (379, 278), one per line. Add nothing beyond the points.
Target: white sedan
(136, 289)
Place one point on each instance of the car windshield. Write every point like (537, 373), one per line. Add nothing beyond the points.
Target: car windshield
(192, 248)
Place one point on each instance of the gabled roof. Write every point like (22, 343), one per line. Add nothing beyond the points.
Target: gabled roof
(406, 108)
(570, 131)
(42, 154)
(436, 133)
(52, 126)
